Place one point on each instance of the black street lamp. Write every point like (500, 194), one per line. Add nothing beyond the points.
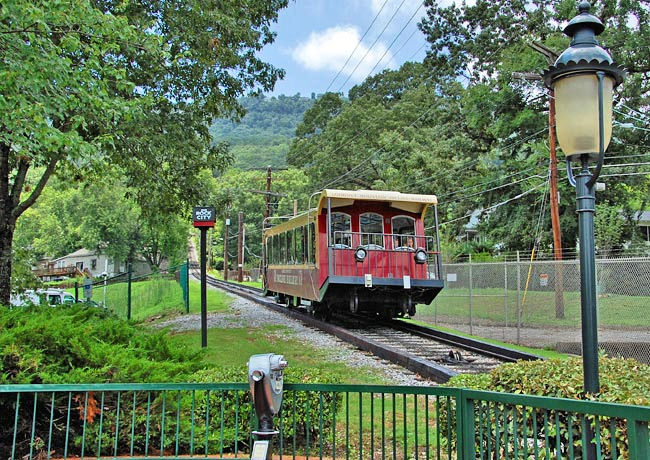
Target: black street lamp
(583, 78)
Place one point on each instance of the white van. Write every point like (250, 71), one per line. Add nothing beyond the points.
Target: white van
(25, 299)
(55, 297)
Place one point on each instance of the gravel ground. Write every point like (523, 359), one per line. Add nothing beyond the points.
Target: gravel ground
(247, 314)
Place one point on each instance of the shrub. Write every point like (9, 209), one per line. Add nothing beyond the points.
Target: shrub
(76, 344)
(624, 381)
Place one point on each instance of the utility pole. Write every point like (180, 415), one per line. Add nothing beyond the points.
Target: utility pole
(225, 246)
(267, 197)
(551, 56)
(240, 252)
(555, 213)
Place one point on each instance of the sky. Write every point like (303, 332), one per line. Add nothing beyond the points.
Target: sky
(332, 45)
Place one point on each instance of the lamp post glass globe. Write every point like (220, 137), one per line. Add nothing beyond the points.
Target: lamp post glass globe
(583, 78)
(577, 114)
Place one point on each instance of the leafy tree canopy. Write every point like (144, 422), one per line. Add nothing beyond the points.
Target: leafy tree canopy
(488, 45)
(136, 84)
(262, 136)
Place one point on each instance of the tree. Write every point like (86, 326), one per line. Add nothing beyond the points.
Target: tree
(100, 217)
(90, 84)
(487, 45)
(609, 225)
(402, 130)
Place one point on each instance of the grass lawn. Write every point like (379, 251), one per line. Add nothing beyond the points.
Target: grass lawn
(156, 296)
(233, 347)
(498, 306)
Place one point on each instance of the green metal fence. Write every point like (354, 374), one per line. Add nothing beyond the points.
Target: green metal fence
(317, 421)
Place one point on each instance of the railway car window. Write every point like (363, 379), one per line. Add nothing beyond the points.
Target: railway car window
(403, 231)
(282, 257)
(305, 244)
(403, 226)
(291, 257)
(267, 250)
(299, 237)
(312, 243)
(276, 249)
(372, 229)
(341, 230)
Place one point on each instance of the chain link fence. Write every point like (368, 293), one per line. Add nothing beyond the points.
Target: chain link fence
(141, 296)
(538, 303)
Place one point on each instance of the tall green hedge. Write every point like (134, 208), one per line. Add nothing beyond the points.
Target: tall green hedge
(624, 381)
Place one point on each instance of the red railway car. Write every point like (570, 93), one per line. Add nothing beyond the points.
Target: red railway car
(360, 251)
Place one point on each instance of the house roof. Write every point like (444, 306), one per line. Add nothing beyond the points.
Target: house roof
(83, 252)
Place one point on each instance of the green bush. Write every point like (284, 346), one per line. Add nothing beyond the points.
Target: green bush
(624, 381)
(78, 344)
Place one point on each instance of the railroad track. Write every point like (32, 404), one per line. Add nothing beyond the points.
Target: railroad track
(430, 353)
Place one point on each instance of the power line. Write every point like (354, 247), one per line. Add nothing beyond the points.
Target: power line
(372, 46)
(632, 110)
(417, 51)
(487, 183)
(338, 180)
(358, 44)
(405, 43)
(642, 120)
(642, 173)
(498, 205)
(625, 165)
(396, 37)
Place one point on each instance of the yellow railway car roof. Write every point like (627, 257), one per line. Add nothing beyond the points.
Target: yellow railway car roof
(409, 202)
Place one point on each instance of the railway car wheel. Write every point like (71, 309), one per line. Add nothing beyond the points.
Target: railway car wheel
(325, 312)
(354, 303)
(411, 310)
(407, 307)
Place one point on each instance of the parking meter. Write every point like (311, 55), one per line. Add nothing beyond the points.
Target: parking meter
(265, 379)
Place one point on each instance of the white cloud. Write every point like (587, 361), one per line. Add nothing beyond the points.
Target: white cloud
(329, 50)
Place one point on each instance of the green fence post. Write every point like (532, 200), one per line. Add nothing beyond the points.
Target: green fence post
(465, 427)
(76, 292)
(128, 294)
(187, 286)
(638, 436)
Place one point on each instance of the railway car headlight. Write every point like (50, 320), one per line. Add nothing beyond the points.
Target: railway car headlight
(360, 254)
(420, 256)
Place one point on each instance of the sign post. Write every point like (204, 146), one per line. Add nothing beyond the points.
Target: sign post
(203, 218)
(88, 288)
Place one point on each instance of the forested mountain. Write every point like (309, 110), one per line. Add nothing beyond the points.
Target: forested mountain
(263, 135)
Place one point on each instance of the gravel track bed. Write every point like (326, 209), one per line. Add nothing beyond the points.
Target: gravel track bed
(244, 313)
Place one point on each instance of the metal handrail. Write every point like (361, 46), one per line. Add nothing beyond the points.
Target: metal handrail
(169, 420)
